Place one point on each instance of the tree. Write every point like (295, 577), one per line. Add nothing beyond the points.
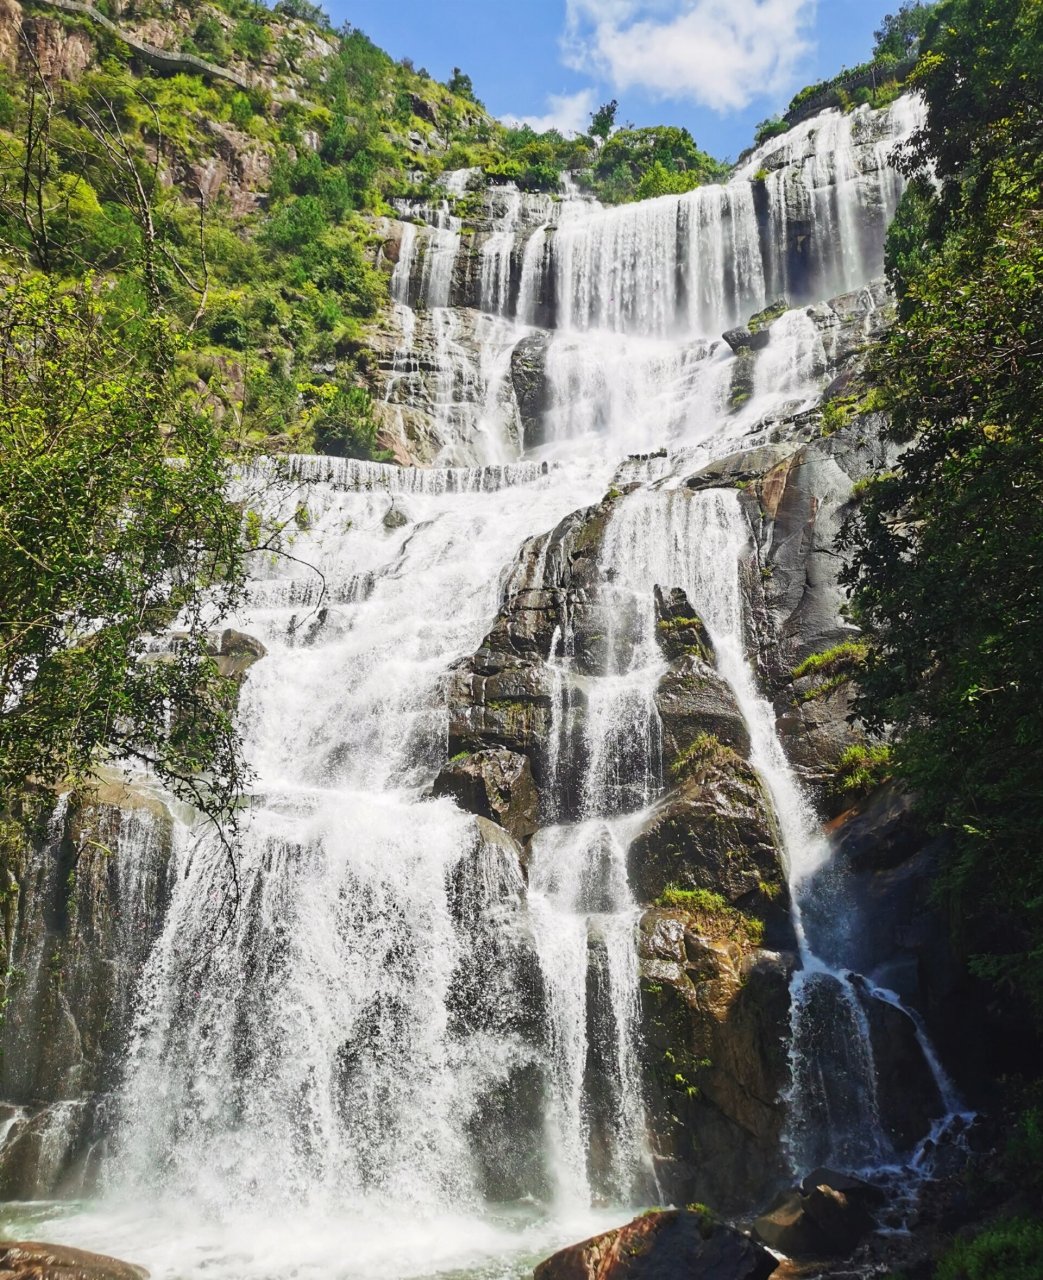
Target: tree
(948, 560)
(603, 121)
(115, 517)
(113, 524)
(900, 32)
(461, 84)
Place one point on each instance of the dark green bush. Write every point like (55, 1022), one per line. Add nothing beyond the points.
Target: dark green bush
(1007, 1251)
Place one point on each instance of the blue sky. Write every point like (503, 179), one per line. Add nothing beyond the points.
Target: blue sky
(717, 66)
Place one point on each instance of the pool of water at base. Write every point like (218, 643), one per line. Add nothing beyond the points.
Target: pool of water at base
(178, 1242)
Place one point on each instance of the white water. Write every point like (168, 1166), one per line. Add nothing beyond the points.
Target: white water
(314, 1091)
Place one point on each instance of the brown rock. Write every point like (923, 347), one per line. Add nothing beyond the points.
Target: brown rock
(30, 1260)
(714, 1017)
(663, 1245)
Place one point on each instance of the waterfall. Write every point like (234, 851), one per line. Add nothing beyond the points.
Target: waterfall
(413, 1050)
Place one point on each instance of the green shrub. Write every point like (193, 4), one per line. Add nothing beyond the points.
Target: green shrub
(209, 37)
(705, 752)
(845, 657)
(1006, 1251)
(773, 127)
(251, 39)
(861, 769)
(714, 906)
(228, 328)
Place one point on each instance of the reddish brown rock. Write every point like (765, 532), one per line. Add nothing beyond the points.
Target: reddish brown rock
(31, 1260)
(662, 1245)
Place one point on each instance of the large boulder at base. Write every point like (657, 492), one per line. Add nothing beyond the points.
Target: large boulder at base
(496, 785)
(30, 1260)
(673, 1244)
(827, 1216)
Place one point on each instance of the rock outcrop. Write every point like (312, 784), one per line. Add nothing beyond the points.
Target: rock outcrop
(827, 1216)
(715, 831)
(715, 1014)
(497, 785)
(83, 905)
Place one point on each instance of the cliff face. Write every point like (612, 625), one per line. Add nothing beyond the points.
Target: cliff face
(82, 908)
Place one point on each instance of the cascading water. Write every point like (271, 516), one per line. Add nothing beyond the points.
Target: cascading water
(410, 1054)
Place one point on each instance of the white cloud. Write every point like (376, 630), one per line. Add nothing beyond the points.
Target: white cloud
(719, 53)
(567, 112)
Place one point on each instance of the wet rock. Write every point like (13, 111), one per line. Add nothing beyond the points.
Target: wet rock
(680, 631)
(856, 1189)
(819, 1222)
(692, 699)
(30, 1260)
(237, 652)
(530, 387)
(88, 901)
(497, 785)
(714, 1019)
(394, 518)
(715, 831)
(907, 1094)
(743, 338)
(659, 1245)
(497, 701)
(40, 1150)
(787, 1227)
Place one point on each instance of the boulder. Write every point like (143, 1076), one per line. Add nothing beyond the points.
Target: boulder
(30, 1260)
(497, 785)
(742, 338)
(237, 652)
(907, 1093)
(661, 1245)
(716, 831)
(820, 1221)
(856, 1189)
(714, 1019)
(530, 387)
(692, 699)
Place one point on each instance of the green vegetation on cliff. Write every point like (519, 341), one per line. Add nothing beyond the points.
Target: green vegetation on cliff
(949, 547)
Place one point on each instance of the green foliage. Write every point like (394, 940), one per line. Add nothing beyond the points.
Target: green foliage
(846, 657)
(899, 33)
(692, 899)
(949, 548)
(861, 769)
(603, 121)
(113, 521)
(705, 752)
(773, 127)
(251, 39)
(713, 907)
(1008, 1250)
(461, 85)
(664, 157)
(304, 11)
